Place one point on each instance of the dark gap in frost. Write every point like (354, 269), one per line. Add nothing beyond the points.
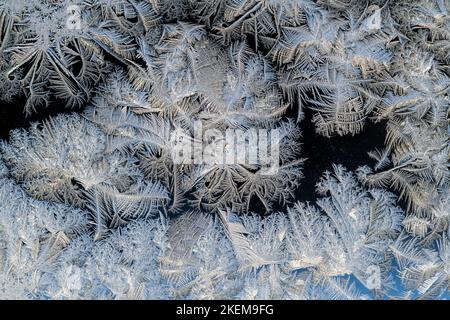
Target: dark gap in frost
(322, 152)
(13, 116)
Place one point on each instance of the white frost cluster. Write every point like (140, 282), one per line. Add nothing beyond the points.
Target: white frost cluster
(48, 250)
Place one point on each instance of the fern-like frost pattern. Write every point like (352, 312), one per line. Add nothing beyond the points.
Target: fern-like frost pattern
(95, 202)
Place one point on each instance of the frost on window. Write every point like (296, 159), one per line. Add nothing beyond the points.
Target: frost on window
(198, 256)
(59, 158)
(176, 163)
